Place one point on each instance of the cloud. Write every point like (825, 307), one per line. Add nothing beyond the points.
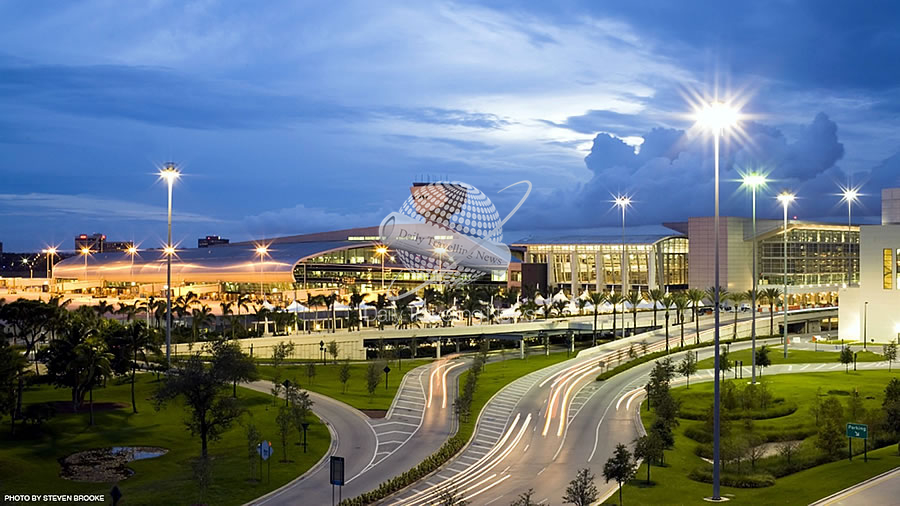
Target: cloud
(56, 206)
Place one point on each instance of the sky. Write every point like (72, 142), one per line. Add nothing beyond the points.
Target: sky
(292, 117)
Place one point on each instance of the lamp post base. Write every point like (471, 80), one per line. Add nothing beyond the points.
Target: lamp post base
(721, 499)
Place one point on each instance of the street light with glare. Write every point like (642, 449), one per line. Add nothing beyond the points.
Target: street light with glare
(381, 251)
(131, 251)
(753, 181)
(85, 251)
(261, 250)
(49, 253)
(716, 117)
(850, 196)
(169, 173)
(785, 198)
(440, 250)
(623, 201)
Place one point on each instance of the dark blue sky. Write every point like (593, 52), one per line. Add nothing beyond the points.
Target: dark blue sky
(291, 117)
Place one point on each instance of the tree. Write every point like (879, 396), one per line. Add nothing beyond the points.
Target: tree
(667, 301)
(27, 320)
(91, 367)
(681, 303)
(59, 356)
(771, 295)
(696, 297)
(253, 439)
(687, 367)
(344, 375)
(300, 405)
(333, 350)
(581, 491)
(762, 358)
(235, 366)
(210, 412)
(137, 340)
(890, 354)
(846, 358)
(737, 298)
(356, 300)
(634, 298)
(788, 448)
(662, 373)
(616, 299)
(284, 422)
(724, 361)
(310, 372)
(649, 448)
(596, 299)
(524, 499)
(830, 436)
(373, 377)
(891, 407)
(654, 296)
(13, 368)
(620, 467)
(855, 408)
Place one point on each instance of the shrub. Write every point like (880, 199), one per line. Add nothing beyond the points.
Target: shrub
(756, 480)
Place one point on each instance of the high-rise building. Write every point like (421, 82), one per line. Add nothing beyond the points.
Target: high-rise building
(211, 240)
(97, 243)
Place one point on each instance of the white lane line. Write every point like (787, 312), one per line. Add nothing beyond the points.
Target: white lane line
(431, 382)
(444, 383)
(790, 368)
(526, 448)
(394, 422)
(804, 367)
(492, 501)
(541, 471)
(821, 366)
(633, 397)
(597, 431)
(394, 432)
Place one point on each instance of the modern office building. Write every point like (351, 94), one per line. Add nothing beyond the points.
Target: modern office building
(821, 257)
(576, 263)
(211, 240)
(870, 310)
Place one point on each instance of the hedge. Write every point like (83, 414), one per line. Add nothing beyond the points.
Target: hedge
(757, 480)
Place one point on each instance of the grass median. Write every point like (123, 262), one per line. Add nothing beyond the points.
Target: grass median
(794, 357)
(671, 484)
(327, 381)
(29, 461)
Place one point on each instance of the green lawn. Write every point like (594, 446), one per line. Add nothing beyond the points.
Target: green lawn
(28, 463)
(671, 484)
(794, 357)
(327, 382)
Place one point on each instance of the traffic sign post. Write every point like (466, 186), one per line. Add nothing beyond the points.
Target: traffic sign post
(861, 431)
(337, 477)
(386, 371)
(265, 451)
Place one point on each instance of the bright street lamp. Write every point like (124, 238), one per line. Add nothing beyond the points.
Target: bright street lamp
(717, 117)
(785, 198)
(849, 195)
(131, 251)
(440, 250)
(381, 251)
(623, 201)
(261, 250)
(85, 252)
(169, 173)
(49, 253)
(753, 181)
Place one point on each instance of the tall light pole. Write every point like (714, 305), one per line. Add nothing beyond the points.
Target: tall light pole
(753, 181)
(785, 198)
(85, 252)
(440, 250)
(849, 195)
(381, 251)
(623, 201)
(169, 173)
(261, 250)
(131, 251)
(717, 117)
(49, 253)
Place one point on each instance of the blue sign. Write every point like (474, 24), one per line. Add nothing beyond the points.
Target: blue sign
(337, 471)
(264, 449)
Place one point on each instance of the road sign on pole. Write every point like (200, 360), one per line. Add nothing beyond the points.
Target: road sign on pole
(858, 430)
(337, 475)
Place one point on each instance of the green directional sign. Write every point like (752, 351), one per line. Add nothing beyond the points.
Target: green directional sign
(858, 430)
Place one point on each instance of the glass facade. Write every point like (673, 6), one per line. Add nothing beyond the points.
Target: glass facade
(887, 269)
(814, 257)
(664, 262)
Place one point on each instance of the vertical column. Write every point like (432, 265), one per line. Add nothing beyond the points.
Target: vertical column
(575, 268)
(651, 267)
(551, 277)
(601, 272)
(522, 347)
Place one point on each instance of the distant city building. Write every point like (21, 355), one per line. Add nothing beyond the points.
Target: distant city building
(211, 240)
(97, 243)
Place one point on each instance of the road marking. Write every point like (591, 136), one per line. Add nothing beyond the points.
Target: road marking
(821, 366)
(804, 367)
(494, 500)
(394, 422)
(541, 471)
(526, 448)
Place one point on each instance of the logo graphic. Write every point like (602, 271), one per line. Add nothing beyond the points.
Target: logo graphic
(449, 232)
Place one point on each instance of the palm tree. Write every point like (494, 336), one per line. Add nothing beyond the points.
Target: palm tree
(92, 365)
(596, 298)
(356, 299)
(329, 301)
(227, 310)
(653, 296)
(489, 293)
(711, 295)
(528, 308)
(159, 311)
(138, 340)
(681, 303)
(696, 297)
(430, 295)
(667, 302)
(634, 298)
(380, 304)
(737, 298)
(582, 303)
(102, 308)
(13, 368)
(56, 306)
(472, 301)
(130, 311)
(242, 302)
(771, 295)
(615, 299)
(559, 307)
(200, 319)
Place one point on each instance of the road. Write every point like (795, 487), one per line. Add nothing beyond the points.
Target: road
(541, 428)
(417, 424)
(883, 490)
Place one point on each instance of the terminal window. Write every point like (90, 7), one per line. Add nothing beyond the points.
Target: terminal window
(887, 267)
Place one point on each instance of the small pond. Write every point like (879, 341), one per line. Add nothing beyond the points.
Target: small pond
(105, 465)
